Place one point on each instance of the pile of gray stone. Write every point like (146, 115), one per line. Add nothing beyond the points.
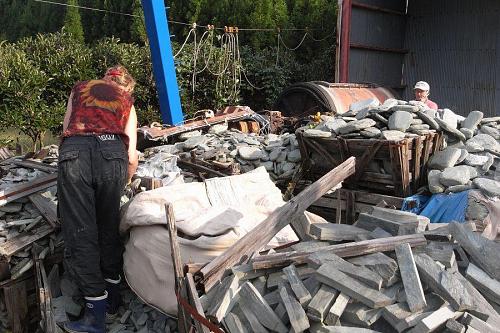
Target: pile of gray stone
(471, 158)
(368, 119)
(279, 154)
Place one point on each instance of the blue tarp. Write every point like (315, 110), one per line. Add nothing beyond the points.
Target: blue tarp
(439, 208)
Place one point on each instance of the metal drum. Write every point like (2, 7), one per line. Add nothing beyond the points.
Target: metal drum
(306, 98)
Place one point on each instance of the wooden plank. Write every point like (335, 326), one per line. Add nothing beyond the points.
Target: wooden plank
(195, 300)
(296, 313)
(321, 303)
(337, 309)
(16, 303)
(19, 242)
(484, 252)
(19, 191)
(340, 329)
(180, 287)
(411, 280)
(434, 321)
(296, 284)
(337, 232)
(281, 217)
(35, 165)
(363, 274)
(328, 274)
(490, 288)
(342, 250)
(256, 303)
(46, 207)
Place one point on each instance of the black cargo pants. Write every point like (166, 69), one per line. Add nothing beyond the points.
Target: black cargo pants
(92, 172)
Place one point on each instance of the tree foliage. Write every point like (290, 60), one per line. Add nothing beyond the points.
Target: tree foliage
(73, 22)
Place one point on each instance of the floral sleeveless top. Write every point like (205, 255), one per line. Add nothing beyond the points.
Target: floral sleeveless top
(99, 107)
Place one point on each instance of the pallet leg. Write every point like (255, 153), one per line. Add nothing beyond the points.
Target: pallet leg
(16, 302)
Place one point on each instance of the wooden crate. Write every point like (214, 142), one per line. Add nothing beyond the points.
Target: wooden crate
(405, 159)
(343, 206)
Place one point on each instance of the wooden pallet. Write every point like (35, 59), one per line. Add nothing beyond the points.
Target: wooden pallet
(407, 159)
(345, 205)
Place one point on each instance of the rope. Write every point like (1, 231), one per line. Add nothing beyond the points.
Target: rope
(296, 47)
(185, 41)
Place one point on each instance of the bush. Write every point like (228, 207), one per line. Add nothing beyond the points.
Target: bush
(22, 88)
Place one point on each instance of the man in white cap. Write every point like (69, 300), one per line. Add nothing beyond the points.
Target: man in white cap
(422, 94)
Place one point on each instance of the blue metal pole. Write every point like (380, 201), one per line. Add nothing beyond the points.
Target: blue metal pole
(155, 15)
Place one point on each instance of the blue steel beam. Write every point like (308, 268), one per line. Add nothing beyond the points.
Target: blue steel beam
(155, 16)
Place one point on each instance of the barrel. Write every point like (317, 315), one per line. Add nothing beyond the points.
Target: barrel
(306, 98)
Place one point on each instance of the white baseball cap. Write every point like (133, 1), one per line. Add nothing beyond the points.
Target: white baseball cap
(422, 85)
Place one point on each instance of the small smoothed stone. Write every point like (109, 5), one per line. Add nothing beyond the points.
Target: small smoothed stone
(429, 120)
(388, 103)
(450, 129)
(486, 166)
(435, 185)
(335, 125)
(490, 120)
(417, 121)
(473, 119)
(489, 187)
(463, 156)
(449, 117)
(268, 165)
(218, 128)
(380, 118)
(251, 141)
(459, 175)
(371, 132)
(393, 135)
(406, 108)
(420, 127)
(313, 133)
(187, 135)
(363, 104)
(491, 131)
(287, 166)
(294, 156)
(459, 188)
(445, 158)
(282, 156)
(400, 121)
(485, 141)
(275, 153)
(250, 153)
(194, 141)
(357, 125)
(468, 133)
(421, 132)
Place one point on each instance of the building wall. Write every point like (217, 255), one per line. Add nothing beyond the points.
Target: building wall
(452, 44)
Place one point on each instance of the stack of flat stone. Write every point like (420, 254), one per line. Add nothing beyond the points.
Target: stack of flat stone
(448, 282)
(393, 120)
(470, 163)
(279, 154)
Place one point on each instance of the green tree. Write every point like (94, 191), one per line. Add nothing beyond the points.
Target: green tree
(138, 28)
(73, 22)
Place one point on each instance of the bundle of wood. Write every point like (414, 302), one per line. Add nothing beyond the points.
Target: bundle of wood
(389, 272)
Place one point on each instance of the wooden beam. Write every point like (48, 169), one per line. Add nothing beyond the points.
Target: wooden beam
(16, 302)
(195, 300)
(342, 250)
(296, 284)
(281, 217)
(46, 207)
(35, 165)
(19, 242)
(180, 287)
(24, 189)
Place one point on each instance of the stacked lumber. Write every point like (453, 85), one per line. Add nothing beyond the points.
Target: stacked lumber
(391, 271)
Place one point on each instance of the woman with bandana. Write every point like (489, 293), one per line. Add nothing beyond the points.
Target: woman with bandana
(97, 157)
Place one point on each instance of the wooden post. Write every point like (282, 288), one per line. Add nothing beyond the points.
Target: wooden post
(180, 285)
(16, 301)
